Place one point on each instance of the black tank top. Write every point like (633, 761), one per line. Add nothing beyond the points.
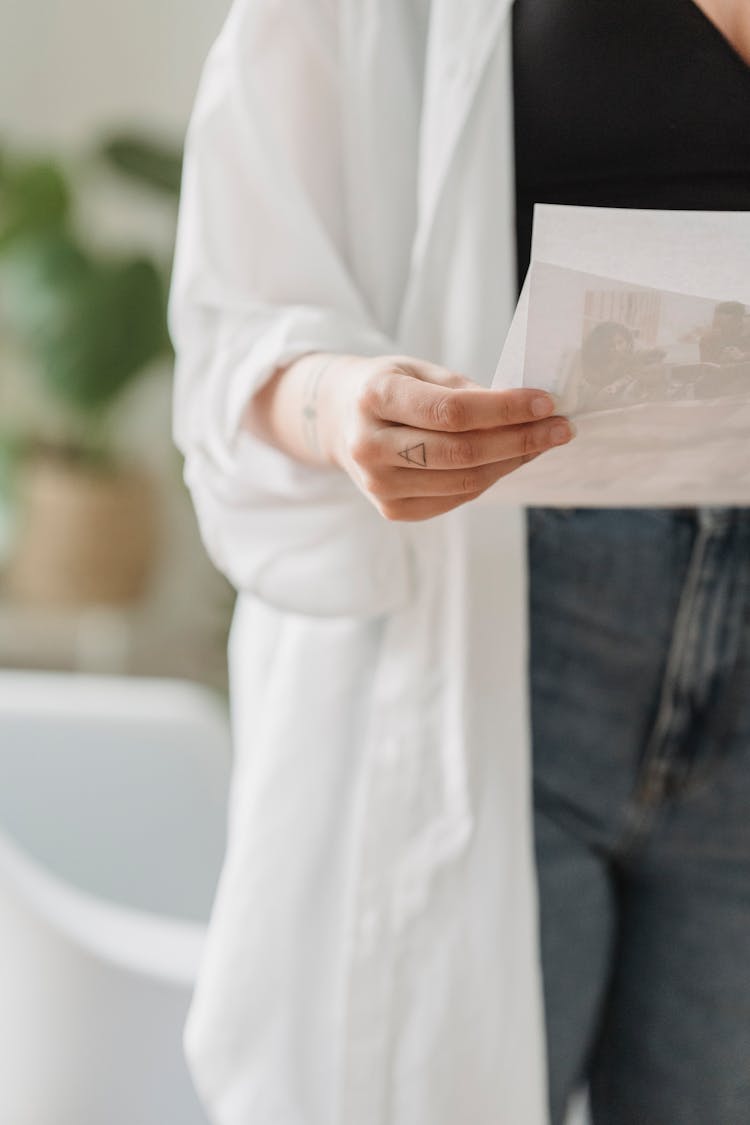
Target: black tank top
(627, 103)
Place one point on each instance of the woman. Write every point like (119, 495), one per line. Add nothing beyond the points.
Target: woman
(344, 279)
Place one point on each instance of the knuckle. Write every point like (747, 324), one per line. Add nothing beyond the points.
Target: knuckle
(377, 482)
(471, 482)
(362, 449)
(372, 392)
(383, 485)
(528, 442)
(368, 482)
(449, 412)
(505, 410)
(461, 451)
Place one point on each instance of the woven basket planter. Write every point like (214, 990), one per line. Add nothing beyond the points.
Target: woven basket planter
(85, 537)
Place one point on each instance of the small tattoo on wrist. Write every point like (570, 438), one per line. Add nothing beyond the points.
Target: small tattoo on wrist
(310, 408)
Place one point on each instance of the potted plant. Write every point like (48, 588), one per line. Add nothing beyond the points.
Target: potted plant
(88, 324)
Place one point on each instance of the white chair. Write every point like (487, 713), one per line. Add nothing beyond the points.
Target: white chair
(113, 801)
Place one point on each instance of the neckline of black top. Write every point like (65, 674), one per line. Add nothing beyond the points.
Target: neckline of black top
(703, 18)
(626, 103)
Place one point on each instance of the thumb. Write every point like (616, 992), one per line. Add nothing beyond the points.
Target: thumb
(430, 372)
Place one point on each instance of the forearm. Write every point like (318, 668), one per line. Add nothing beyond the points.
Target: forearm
(293, 410)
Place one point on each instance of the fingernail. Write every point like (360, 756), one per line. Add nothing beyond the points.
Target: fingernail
(542, 406)
(561, 432)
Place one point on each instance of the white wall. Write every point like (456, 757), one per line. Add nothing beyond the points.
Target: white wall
(70, 66)
(70, 70)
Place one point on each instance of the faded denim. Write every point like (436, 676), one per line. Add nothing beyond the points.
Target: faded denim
(640, 681)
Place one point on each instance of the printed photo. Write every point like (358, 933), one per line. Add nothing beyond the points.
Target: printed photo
(602, 344)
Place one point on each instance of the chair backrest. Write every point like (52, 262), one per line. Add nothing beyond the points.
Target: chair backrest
(117, 786)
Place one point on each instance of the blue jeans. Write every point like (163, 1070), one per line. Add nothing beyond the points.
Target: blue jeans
(640, 680)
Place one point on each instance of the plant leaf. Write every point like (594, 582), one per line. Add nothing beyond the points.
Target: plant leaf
(153, 163)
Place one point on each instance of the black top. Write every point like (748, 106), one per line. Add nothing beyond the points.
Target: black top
(627, 103)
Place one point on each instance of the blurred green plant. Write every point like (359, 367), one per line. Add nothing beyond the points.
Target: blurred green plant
(34, 197)
(89, 322)
(155, 164)
(10, 448)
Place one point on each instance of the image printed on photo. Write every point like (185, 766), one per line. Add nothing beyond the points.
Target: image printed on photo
(602, 344)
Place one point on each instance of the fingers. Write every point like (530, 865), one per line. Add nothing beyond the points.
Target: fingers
(424, 440)
(431, 372)
(403, 447)
(396, 484)
(412, 508)
(410, 401)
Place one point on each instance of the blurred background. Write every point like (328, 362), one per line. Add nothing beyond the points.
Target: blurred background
(100, 565)
(114, 736)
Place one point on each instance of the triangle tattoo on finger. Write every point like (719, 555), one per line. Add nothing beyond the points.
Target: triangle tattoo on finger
(415, 454)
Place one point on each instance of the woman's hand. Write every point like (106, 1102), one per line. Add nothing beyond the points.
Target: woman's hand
(416, 438)
(420, 440)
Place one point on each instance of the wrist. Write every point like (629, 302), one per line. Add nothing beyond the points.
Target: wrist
(336, 388)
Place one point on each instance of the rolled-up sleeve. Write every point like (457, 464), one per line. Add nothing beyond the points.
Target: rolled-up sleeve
(260, 278)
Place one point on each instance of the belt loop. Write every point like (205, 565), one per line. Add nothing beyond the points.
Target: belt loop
(714, 520)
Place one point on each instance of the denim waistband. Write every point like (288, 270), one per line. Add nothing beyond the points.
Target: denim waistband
(703, 516)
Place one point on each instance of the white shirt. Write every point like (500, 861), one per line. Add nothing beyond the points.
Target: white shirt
(373, 956)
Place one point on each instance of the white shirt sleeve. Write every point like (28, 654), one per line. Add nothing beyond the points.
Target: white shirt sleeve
(261, 277)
